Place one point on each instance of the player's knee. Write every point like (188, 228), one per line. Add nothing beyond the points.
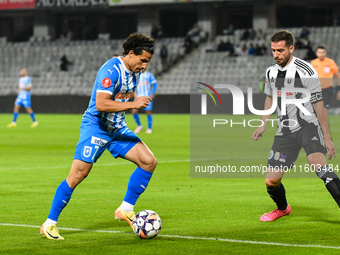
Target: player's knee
(78, 173)
(149, 163)
(272, 183)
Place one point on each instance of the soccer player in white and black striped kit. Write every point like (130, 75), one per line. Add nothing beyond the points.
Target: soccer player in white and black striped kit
(295, 129)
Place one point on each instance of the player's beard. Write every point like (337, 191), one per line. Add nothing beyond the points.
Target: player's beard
(285, 61)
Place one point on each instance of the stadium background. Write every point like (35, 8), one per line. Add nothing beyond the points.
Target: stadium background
(31, 36)
(199, 215)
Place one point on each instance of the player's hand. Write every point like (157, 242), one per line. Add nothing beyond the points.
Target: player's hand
(330, 148)
(152, 96)
(258, 133)
(338, 95)
(142, 102)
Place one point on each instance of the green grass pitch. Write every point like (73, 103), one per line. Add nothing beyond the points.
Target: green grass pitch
(199, 215)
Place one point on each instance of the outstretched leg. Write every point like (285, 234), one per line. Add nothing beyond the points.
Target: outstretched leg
(139, 180)
(277, 192)
(15, 116)
(79, 172)
(32, 115)
(324, 172)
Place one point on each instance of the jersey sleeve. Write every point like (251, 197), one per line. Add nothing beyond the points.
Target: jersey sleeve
(334, 67)
(29, 82)
(267, 86)
(153, 82)
(107, 79)
(313, 84)
(313, 63)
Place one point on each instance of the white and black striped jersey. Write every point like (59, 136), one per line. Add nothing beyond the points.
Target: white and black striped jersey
(297, 74)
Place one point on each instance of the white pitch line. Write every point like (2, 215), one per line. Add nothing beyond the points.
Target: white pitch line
(189, 237)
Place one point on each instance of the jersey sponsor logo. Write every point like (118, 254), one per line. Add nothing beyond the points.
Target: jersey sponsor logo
(106, 82)
(87, 151)
(327, 69)
(287, 93)
(98, 141)
(124, 96)
(111, 71)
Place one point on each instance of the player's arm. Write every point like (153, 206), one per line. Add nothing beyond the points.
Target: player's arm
(323, 120)
(337, 75)
(260, 130)
(153, 82)
(104, 103)
(154, 89)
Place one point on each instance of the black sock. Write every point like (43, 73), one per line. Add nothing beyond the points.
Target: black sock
(331, 181)
(278, 194)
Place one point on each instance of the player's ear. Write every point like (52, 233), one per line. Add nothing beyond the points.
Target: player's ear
(131, 52)
(291, 48)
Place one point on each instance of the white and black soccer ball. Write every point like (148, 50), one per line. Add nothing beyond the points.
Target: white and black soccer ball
(147, 224)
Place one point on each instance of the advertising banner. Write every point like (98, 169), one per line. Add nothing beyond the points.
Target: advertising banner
(71, 3)
(16, 4)
(134, 2)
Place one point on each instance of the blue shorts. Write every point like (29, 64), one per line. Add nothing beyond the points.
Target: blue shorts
(149, 108)
(23, 102)
(94, 140)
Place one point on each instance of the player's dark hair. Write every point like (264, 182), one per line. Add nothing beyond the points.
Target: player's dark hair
(138, 43)
(321, 47)
(283, 35)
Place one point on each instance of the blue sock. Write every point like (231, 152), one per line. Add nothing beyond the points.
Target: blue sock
(15, 116)
(138, 182)
(60, 200)
(150, 121)
(136, 117)
(32, 116)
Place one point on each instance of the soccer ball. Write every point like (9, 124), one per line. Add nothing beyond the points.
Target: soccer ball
(147, 224)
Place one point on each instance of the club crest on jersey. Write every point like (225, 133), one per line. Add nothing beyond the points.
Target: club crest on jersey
(98, 141)
(87, 151)
(106, 82)
(124, 96)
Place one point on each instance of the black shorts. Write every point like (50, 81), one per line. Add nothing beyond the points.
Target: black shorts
(286, 148)
(327, 96)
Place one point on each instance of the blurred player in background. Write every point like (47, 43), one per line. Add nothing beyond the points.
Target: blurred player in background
(146, 81)
(23, 99)
(326, 69)
(310, 132)
(104, 127)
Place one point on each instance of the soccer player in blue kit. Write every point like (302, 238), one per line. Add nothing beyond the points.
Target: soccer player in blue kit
(144, 89)
(23, 99)
(103, 127)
